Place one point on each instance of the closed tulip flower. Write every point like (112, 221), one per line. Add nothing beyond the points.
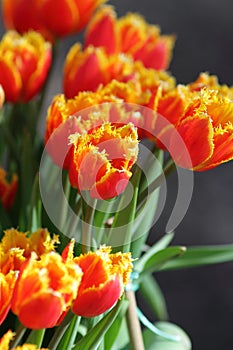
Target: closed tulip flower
(103, 281)
(69, 16)
(45, 289)
(24, 65)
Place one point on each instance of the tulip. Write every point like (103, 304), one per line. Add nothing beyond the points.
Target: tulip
(45, 289)
(102, 284)
(7, 189)
(16, 247)
(7, 283)
(85, 70)
(24, 65)
(102, 159)
(68, 16)
(203, 119)
(129, 34)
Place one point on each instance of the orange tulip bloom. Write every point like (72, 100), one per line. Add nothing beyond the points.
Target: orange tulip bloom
(7, 283)
(102, 284)
(45, 289)
(24, 64)
(92, 68)
(16, 247)
(68, 116)
(7, 189)
(129, 34)
(102, 159)
(204, 120)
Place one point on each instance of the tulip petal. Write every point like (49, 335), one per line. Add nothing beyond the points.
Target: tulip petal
(95, 301)
(197, 135)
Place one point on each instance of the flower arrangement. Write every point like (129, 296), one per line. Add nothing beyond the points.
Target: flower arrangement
(77, 206)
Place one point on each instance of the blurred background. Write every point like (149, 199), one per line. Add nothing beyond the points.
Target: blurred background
(200, 300)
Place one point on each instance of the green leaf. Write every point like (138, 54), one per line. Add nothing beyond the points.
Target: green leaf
(93, 338)
(153, 295)
(35, 207)
(155, 342)
(199, 256)
(156, 261)
(69, 336)
(36, 337)
(113, 332)
(159, 245)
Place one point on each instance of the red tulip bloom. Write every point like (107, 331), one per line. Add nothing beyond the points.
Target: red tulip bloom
(24, 65)
(102, 284)
(129, 34)
(45, 289)
(204, 120)
(102, 159)
(68, 16)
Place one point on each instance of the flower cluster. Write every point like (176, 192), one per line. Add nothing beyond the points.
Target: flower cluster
(39, 285)
(116, 92)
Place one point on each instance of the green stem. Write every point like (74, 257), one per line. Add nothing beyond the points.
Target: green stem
(167, 170)
(36, 337)
(64, 204)
(60, 330)
(18, 336)
(88, 216)
(68, 339)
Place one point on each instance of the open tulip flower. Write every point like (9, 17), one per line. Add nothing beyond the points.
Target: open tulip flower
(45, 289)
(102, 159)
(102, 284)
(130, 34)
(24, 63)
(195, 112)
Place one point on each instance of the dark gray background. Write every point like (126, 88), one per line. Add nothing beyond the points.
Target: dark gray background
(200, 300)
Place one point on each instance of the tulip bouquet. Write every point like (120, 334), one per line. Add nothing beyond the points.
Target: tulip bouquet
(78, 203)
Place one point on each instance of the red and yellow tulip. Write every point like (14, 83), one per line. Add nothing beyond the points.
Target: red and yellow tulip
(24, 65)
(68, 16)
(102, 284)
(44, 290)
(203, 118)
(102, 159)
(17, 246)
(130, 34)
